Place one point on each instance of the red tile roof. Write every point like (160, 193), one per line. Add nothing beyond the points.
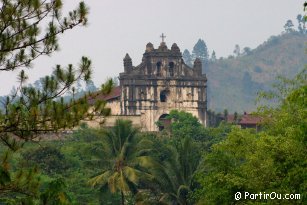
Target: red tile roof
(115, 93)
(248, 119)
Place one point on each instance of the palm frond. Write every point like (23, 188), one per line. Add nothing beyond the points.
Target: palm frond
(113, 182)
(101, 179)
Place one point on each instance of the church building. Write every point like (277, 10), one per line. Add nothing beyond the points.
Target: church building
(160, 83)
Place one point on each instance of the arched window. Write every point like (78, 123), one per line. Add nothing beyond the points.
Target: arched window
(159, 65)
(163, 96)
(171, 66)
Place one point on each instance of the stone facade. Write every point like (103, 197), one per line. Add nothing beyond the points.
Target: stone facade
(161, 83)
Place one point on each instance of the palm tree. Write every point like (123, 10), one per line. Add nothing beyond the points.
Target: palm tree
(124, 158)
(173, 178)
(180, 171)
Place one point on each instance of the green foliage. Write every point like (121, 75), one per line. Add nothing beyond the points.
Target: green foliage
(218, 174)
(54, 194)
(125, 157)
(30, 112)
(272, 160)
(185, 125)
(75, 154)
(30, 29)
(179, 158)
(48, 159)
(173, 178)
(19, 187)
(23, 32)
(173, 162)
(214, 135)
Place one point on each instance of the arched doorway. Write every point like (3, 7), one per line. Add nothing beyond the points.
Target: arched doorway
(164, 122)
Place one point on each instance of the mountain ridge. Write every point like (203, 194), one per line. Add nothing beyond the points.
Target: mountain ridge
(233, 82)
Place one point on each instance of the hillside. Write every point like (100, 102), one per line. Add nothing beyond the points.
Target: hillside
(233, 83)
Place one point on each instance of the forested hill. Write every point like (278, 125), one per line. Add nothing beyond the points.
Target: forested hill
(233, 82)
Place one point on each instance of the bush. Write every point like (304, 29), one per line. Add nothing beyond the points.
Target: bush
(49, 159)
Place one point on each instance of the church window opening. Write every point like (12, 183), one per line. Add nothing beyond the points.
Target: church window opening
(171, 66)
(159, 65)
(163, 96)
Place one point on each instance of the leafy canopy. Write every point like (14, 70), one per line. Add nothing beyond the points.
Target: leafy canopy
(125, 157)
(271, 160)
(30, 29)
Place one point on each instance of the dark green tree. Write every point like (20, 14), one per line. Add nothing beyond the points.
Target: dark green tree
(185, 125)
(200, 51)
(213, 56)
(289, 26)
(247, 50)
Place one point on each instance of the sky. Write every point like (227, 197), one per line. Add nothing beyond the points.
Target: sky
(117, 27)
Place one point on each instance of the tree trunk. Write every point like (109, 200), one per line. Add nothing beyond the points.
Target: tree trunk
(123, 197)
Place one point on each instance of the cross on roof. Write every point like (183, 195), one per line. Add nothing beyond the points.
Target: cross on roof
(163, 37)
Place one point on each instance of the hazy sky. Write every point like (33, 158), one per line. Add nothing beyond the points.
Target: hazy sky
(117, 27)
